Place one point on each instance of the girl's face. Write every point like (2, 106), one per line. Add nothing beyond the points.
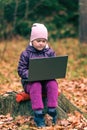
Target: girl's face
(39, 43)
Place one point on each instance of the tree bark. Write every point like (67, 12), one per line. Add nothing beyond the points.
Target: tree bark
(83, 21)
(8, 104)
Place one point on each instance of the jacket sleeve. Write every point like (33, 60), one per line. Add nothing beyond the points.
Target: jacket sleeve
(52, 53)
(23, 65)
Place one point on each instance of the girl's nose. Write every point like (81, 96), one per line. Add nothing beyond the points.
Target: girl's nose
(41, 42)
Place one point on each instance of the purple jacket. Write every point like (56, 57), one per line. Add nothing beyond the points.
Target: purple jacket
(31, 52)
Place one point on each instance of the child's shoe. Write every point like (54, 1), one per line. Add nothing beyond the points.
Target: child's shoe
(39, 119)
(52, 112)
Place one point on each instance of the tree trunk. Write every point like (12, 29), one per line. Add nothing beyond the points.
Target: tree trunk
(8, 104)
(83, 21)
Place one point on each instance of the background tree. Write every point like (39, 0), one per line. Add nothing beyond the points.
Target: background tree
(60, 17)
(83, 21)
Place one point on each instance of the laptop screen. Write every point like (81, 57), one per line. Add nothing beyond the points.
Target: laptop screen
(47, 68)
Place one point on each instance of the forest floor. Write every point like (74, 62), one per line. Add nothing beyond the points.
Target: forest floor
(74, 86)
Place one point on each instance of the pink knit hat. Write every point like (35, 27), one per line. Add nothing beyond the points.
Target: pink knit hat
(38, 31)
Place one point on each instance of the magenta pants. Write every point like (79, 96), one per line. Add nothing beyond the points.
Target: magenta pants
(35, 90)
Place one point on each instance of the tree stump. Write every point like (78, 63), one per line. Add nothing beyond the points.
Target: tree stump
(8, 104)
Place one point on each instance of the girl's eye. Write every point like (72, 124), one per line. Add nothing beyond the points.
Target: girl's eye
(38, 40)
(41, 41)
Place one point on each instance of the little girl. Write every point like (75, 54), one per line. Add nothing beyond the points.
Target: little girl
(38, 47)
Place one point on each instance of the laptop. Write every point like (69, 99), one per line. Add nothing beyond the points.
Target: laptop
(47, 68)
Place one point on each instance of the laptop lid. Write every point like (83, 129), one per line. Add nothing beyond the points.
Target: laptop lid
(47, 68)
